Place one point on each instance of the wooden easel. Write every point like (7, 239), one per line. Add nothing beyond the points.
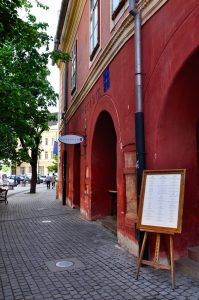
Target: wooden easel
(155, 262)
(155, 202)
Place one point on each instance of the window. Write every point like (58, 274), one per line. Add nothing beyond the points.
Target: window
(46, 141)
(52, 141)
(73, 67)
(94, 27)
(52, 155)
(22, 170)
(115, 4)
(116, 7)
(46, 155)
(41, 170)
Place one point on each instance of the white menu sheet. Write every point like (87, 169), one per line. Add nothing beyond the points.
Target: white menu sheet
(161, 200)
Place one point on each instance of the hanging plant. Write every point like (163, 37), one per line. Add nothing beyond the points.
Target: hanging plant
(59, 55)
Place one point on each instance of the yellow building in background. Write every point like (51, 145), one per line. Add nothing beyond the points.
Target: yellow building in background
(46, 157)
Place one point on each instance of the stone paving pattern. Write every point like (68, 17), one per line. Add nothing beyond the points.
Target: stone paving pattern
(105, 272)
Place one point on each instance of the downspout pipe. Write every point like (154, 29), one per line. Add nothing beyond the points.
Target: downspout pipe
(63, 11)
(64, 187)
(139, 115)
(65, 93)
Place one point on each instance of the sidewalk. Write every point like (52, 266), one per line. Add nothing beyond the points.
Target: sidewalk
(19, 189)
(36, 232)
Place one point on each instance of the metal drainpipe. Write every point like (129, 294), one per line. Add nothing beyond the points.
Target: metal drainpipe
(56, 47)
(64, 188)
(139, 115)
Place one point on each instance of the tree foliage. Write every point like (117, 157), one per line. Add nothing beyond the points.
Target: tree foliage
(54, 167)
(25, 91)
(8, 144)
(10, 22)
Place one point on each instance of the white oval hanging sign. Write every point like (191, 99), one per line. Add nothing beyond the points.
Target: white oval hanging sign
(71, 139)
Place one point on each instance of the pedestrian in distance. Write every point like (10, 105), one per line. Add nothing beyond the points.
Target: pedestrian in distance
(18, 179)
(48, 180)
(53, 179)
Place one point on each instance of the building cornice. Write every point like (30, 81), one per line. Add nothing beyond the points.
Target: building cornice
(64, 7)
(122, 35)
(70, 27)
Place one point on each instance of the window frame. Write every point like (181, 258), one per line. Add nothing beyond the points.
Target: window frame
(94, 27)
(118, 8)
(22, 170)
(73, 84)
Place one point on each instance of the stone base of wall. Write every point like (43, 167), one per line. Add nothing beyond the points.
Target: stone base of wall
(128, 244)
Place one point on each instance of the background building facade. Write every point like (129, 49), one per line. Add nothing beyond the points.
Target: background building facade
(46, 156)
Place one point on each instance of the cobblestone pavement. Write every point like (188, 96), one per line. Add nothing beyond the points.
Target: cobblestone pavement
(36, 231)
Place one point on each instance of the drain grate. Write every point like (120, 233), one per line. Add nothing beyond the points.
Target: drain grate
(64, 264)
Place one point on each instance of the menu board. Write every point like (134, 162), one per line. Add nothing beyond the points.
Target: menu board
(161, 201)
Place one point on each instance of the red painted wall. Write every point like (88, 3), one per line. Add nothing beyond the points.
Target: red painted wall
(170, 72)
(171, 107)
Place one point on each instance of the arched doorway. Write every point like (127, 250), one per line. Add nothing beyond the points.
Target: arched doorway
(104, 168)
(76, 177)
(178, 144)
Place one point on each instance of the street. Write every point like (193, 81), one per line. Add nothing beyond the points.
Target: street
(36, 232)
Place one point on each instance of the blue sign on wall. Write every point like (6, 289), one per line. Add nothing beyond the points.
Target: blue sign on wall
(106, 79)
(55, 148)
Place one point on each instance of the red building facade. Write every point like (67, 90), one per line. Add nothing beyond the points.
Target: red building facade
(99, 36)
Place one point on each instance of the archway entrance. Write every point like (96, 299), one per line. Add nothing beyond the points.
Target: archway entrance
(104, 169)
(178, 145)
(76, 182)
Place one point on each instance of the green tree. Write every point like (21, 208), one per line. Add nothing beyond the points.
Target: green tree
(6, 169)
(25, 93)
(54, 167)
(11, 25)
(9, 18)
(8, 144)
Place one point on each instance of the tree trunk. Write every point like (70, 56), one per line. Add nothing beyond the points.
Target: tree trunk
(33, 181)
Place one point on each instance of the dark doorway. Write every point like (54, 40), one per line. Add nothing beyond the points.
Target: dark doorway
(76, 182)
(104, 168)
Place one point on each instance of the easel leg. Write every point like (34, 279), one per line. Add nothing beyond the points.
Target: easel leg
(172, 263)
(157, 248)
(141, 254)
